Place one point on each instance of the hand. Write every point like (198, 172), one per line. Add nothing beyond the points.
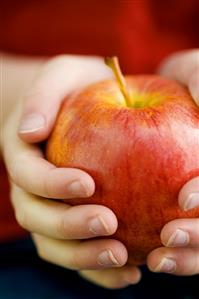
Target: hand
(181, 237)
(62, 233)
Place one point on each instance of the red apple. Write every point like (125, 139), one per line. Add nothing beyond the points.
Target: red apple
(140, 143)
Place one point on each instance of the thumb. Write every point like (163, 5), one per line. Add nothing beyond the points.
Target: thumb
(59, 77)
(189, 195)
(183, 67)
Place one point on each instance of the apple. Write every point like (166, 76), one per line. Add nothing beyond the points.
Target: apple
(138, 137)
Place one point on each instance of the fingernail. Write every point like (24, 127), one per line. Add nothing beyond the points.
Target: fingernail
(97, 226)
(192, 201)
(166, 265)
(32, 123)
(76, 188)
(178, 238)
(107, 259)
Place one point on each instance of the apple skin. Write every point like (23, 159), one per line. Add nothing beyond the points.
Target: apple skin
(139, 157)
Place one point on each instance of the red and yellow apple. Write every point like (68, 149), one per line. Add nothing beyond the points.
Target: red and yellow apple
(140, 143)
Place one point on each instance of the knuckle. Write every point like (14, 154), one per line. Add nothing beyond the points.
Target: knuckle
(20, 213)
(68, 225)
(62, 228)
(76, 262)
(111, 285)
(16, 172)
(46, 187)
(13, 195)
(58, 59)
(68, 61)
(36, 92)
(14, 169)
(40, 247)
(41, 252)
(100, 280)
(56, 62)
(21, 217)
(49, 184)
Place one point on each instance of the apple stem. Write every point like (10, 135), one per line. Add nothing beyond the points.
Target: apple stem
(113, 63)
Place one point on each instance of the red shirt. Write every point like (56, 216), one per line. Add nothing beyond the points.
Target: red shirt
(140, 33)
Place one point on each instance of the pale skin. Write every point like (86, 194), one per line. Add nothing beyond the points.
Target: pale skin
(36, 88)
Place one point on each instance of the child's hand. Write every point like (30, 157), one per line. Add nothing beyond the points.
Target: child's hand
(183, 233)
(62, 234)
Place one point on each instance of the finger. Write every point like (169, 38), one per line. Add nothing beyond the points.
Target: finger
(59, 220)
(113, 278)
(59, 77)
(76, 255)
(193, 83)
(36, 175)
(30, 171)
(189, 195)
(181, 232)
(179, 261)
(184, 67)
